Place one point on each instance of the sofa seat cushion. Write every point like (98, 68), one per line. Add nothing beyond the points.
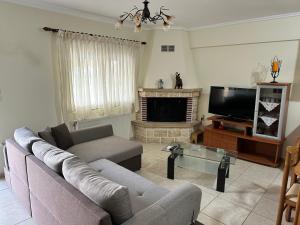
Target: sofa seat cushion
(114, 148)
(109, 195)
(143, 193)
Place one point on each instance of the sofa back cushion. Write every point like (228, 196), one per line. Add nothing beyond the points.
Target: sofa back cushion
(62, 136)
(25, 138)
(40, 148)
(55, 158)
(47, 136)
(52, 156)
(112, 197)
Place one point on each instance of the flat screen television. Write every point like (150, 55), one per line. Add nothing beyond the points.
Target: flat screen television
(237, 103)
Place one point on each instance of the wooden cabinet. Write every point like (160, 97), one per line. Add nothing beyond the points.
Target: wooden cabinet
(220, 140)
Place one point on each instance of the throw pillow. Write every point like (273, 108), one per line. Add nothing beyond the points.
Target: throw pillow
(112, 197)
(47, 136)
(62, 136)
(25, 138)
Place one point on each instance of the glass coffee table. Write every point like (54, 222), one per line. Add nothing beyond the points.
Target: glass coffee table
(201, 158)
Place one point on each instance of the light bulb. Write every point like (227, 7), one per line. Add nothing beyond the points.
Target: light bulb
(138, 28)
(119, 24)
(166, 26)
(170, 19)
(137, 19)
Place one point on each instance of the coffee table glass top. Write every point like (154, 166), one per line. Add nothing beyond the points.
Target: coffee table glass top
(211, 162)
(202, 152)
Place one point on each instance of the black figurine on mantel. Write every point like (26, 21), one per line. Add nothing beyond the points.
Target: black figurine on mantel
(178, 84)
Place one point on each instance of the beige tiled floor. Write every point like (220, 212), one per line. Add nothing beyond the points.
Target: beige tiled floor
(250, 198)
(251, 195)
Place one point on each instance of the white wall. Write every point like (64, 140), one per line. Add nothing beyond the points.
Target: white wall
(163, 65)
(233, 55)
(26, 77)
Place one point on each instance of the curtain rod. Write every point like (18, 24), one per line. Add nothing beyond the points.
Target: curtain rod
(55, 30)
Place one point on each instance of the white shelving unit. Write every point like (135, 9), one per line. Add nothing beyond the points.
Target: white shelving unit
(271, 110)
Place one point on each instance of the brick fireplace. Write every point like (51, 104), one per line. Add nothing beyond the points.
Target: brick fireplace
(166, 115)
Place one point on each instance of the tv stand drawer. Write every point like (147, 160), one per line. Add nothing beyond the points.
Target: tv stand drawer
(220, 140)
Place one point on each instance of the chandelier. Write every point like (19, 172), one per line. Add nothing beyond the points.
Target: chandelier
(139, 16)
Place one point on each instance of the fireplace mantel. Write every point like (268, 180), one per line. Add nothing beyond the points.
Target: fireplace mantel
(166, 132)
(152, 92)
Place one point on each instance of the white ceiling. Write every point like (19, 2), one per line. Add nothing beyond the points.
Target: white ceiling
(188, 13)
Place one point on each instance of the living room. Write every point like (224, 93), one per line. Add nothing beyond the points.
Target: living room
(210, 44)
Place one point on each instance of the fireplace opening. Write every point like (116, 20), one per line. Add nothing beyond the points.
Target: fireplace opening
(166, 109)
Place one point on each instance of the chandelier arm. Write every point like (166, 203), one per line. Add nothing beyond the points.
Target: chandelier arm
(134, 8)
(138, 12)
(126, 14)
(130, 15)
(157, 17)
(162, 9)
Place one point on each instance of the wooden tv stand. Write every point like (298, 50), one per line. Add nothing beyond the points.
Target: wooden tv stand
(236, 136)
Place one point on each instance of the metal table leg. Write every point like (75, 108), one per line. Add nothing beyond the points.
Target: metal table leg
(171, 165)
(223, 173)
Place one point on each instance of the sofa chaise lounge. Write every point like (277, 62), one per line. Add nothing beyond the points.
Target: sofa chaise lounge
(50, 199)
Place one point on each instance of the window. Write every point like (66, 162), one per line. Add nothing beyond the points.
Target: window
(96, 75)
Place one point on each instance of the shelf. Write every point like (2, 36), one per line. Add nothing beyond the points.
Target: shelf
(245, 124)
(241, 135)
(257, 158)
(165, 124)
(269, 106)
(268, 121)
(273, 84)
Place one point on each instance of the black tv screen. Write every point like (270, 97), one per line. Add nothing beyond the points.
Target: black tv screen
(232, 102)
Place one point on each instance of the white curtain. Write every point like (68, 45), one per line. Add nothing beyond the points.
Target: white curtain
(95, 75)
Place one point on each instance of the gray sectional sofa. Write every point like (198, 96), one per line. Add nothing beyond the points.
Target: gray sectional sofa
(55, 193)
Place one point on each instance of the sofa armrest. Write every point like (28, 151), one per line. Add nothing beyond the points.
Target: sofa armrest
(179, 207)
(90, 134)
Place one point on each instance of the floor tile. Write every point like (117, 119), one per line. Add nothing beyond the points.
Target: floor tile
(206, 220)
(254, 219)
(260, 183)
(3, 184)
(7, 198)
(27, 222)
(267, 208)
(247, 196)
(207, 198)
(273, 192)
(13, 214)
(262, 175)
(226, 212)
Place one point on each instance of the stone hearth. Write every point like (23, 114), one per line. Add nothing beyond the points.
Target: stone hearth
(166, 132)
